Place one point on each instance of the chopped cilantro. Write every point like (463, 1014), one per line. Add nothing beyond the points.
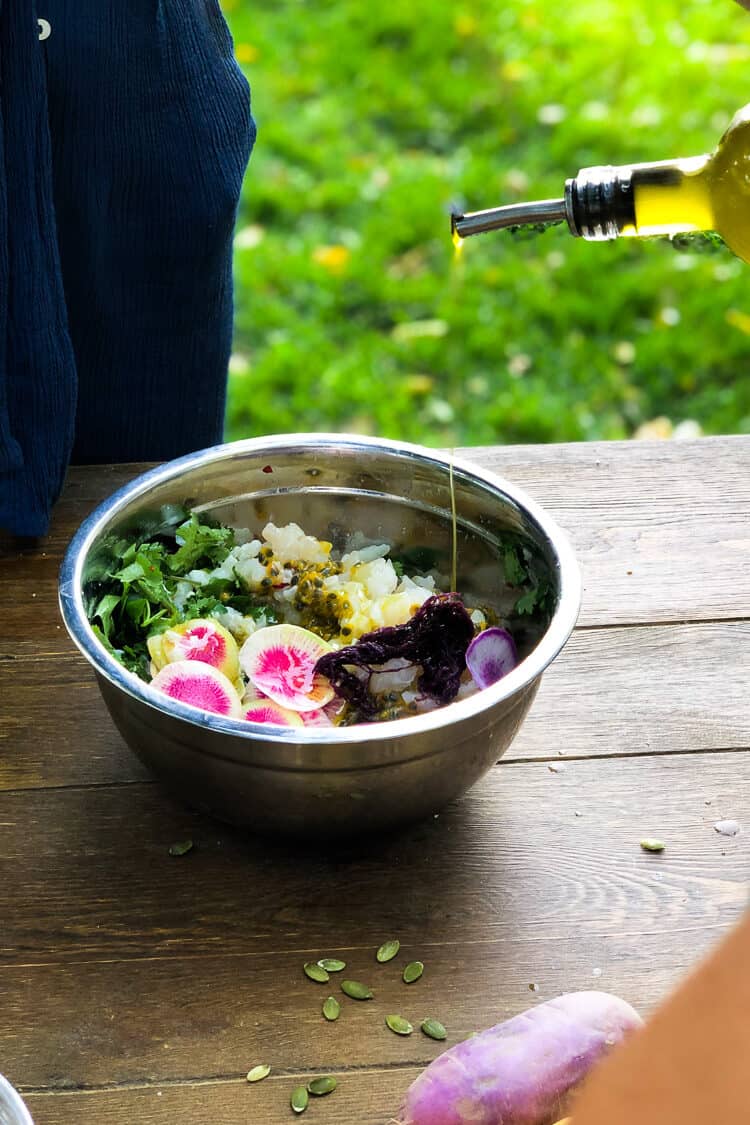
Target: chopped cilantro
(200, 545)
(131, 588)
(515, 573)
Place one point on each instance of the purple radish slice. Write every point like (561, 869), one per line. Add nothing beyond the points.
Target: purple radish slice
(199, 639)
(280, 661)
(490, 656)
(201, 685)
(520, 1072)
(266, 711)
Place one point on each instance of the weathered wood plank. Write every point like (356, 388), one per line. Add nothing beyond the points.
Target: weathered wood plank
(366, 1096)
(651, 522)
(135, 1022)
(612, 691)
(510, 861)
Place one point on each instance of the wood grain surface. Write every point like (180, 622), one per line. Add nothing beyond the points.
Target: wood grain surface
(693, 699)
(139, 987)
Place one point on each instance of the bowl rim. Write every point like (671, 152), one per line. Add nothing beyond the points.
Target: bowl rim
(459, 711)
(14, 1100)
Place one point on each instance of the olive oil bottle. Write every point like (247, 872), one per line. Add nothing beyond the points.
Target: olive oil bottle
(699, 193)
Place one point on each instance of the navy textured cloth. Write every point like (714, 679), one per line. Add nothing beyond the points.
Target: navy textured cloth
(127, 127)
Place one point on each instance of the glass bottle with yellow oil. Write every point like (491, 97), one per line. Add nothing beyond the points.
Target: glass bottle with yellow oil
(699, 193)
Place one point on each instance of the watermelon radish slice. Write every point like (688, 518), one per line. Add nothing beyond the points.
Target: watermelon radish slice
(266, 711)
(490, 656)
(200, 685)
(317, 718)
(280, 661)
(200, 639)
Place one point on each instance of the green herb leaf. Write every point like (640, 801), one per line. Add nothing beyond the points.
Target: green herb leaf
(200, 543)
(515, 574)
(104, 611)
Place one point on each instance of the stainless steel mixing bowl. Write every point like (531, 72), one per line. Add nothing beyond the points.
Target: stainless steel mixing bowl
(12, 1109)
(353, 779)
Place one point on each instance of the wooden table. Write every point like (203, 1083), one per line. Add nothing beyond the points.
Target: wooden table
(139, 987)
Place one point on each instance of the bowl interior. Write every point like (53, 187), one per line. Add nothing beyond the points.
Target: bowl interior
(354, 494)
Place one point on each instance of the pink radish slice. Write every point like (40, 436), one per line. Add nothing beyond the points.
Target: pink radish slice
(266, 711)
(318, 718)
(200, 685)
(490, 656)
(199, 639)
(280, 661)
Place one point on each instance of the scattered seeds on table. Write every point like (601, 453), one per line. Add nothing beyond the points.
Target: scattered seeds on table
(399, 1025)
(315, 972)
(650, 845)
(413, 971)
(433, 1028)
(331, 1008)
(258, 1073)
(355, 990)
(332, 964)
(388, 951)
(299, 1099)
(181, 848)
(326, 1084)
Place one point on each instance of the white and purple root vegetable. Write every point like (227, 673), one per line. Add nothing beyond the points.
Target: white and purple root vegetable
(520, 1072)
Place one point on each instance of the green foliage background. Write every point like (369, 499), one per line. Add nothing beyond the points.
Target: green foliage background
(353, 313)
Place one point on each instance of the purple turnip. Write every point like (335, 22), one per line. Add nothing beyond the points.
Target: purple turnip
(520, 1072)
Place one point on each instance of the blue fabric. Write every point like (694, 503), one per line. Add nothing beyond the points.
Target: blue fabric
(138, 176)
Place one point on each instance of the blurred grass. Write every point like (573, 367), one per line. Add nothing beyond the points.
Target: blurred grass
(353, 312)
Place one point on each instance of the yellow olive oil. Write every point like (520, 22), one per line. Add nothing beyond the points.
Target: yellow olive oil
(700, 193)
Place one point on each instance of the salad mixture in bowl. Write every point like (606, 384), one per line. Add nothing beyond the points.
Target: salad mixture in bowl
(319, 634)
(277, 627)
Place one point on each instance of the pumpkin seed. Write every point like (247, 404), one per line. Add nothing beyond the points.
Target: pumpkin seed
(315, 972)
(299, 1099)
(332, 964)
(433, 1028)
(413, 971)
(399, 1025)
(388, 951)
(331, 1008)
(326, 1084)
(181, 848)
(356, 990)
(258, 1073)
(652, 845)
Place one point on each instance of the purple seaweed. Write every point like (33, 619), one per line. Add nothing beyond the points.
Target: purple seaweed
(436, 638)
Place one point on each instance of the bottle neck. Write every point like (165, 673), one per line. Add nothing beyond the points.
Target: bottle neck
(668, 197)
